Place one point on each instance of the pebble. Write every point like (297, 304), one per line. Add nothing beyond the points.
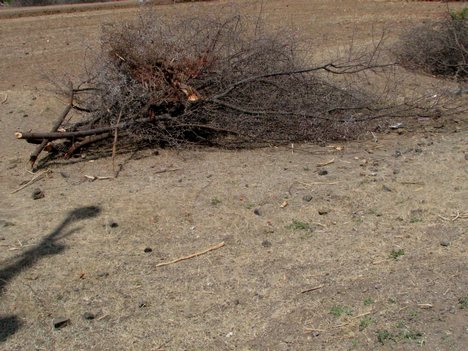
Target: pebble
(322, 211)
(386, 188)
(37, 194)
(445, 243)
(60, 322)
(103, 274)
(111, 223)
(307, 198)
(89, 316)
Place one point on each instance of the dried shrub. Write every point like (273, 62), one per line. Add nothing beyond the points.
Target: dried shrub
(439, 48)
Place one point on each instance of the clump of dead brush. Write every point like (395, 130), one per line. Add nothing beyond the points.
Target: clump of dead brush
(437, 47)
(221, 80)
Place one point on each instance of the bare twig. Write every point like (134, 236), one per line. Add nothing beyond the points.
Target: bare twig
(412, 183)
(318, 183)
(58, 123)
(34, 179)
(81, 133)
(93, 178)
(215, 247)
(325, 163)
(166, 170)
(312, 289)
(5, 98)
(87, 140)
(425, 305)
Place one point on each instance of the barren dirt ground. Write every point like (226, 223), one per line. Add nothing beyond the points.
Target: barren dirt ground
(371, 256)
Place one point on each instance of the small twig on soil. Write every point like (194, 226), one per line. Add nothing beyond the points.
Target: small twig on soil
(35, 178)
(456, 216)
(312, 289)
(5, 98)
(318, 183)
(444, 218)
(166, 170)
(425, 305)
(160, 347)
(380, 261)
(218, 246)
(413, 183)
(326, 163)
(310, 330)
(93, 178)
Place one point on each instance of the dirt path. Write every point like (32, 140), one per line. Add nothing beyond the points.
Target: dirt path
(381, 237)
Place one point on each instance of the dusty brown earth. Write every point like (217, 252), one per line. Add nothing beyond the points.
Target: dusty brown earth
(371, 256)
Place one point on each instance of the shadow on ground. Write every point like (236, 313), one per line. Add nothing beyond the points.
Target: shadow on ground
(47, 247)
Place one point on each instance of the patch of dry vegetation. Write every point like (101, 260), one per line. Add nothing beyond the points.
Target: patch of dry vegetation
(439, 48)
(226, 80)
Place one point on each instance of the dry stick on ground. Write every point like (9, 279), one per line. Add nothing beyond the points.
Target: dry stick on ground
(166, 170)
(5, 98)
(35, 178)
(325, 163)
(81, 133)
(56, 126)
(312, 289)
(215, 247)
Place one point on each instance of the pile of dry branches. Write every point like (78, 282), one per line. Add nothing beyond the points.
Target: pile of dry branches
(222, 80)
(439, 47)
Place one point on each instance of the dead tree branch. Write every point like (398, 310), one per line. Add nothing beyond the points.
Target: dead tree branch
(58, 123)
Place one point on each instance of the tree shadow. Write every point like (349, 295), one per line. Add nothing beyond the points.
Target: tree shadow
(47, 247)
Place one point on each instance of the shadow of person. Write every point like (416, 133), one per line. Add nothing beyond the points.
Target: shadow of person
(8, 326)
(47, 247)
